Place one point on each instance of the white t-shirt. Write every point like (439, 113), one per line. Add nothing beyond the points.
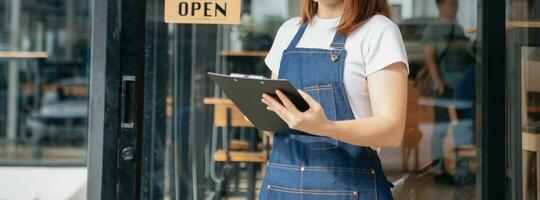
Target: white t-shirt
(373, 46)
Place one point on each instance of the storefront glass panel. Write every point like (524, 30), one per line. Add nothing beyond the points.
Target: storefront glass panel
(185, 130)
(523, 58)
(44, 62)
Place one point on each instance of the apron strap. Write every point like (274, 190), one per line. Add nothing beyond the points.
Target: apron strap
(337, 46)
(338, 42)
(298, 35)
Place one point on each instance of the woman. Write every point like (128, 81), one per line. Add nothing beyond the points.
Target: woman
(349, 61)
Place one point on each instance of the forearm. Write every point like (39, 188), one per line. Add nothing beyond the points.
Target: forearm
(370, 131)
(433, 72)
(429, 58)
(388, 94)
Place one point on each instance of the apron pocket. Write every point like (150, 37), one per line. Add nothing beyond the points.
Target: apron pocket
(279, 193)
(324, 94)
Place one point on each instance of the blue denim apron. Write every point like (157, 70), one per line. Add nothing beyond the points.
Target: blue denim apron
(318, 168)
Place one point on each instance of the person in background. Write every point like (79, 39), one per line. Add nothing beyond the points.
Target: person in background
(446, 57)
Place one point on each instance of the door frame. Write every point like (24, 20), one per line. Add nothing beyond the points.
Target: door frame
(115, 102)
(491, 113)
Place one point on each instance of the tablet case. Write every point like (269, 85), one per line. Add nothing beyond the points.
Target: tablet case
(246, 94)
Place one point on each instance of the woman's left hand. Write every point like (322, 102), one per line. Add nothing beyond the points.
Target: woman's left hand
(311, 121)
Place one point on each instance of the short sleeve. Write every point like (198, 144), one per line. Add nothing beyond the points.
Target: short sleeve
(273, 58)
(428, 36)
(385, 47)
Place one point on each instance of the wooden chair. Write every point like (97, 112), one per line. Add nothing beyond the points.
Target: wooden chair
(468, 151)
(411, 138)
(530, 143)
(412, 135)
(461, 151)
(227, 116)
(236, 144)
(530, 138)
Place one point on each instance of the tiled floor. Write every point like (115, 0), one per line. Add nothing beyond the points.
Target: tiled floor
(43, 183)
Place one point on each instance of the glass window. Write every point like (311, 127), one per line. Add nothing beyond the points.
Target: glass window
(523, 58)
(44, 60)
(437, 158)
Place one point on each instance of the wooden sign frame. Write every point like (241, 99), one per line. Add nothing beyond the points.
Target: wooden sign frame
(203, 11)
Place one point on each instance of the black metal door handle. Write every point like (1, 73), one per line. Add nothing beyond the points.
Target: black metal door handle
(127, 114)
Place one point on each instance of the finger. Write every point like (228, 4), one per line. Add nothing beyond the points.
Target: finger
(286, 102)
(276, 107)
(283, 114)
(311, 102)
(274, 104)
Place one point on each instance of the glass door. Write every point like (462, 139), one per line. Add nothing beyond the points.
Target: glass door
(524, 86)
(189, 151)
(44, 50)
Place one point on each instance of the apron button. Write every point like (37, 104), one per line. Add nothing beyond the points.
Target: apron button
(268, 187)
(372, 171)
(334, 58)
(302, 168)
(355, 193)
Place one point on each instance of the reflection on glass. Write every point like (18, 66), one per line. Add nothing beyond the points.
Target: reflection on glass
(530, 89)
(43, 81)
(441, 101)
(437, 158)
(524, 54)
(451, 69)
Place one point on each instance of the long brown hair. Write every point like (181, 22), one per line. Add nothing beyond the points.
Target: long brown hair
(355, 13)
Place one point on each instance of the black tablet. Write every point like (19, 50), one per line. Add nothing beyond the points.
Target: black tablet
(246, 93)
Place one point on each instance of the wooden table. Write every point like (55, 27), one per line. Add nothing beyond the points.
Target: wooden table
(244, 53)
(221, 105)
(13, 86)
(22, 54)
(510, 25)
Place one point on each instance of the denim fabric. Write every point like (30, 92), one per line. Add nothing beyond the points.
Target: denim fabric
(318, 168)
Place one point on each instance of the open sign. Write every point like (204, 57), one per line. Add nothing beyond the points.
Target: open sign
(202, 11)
